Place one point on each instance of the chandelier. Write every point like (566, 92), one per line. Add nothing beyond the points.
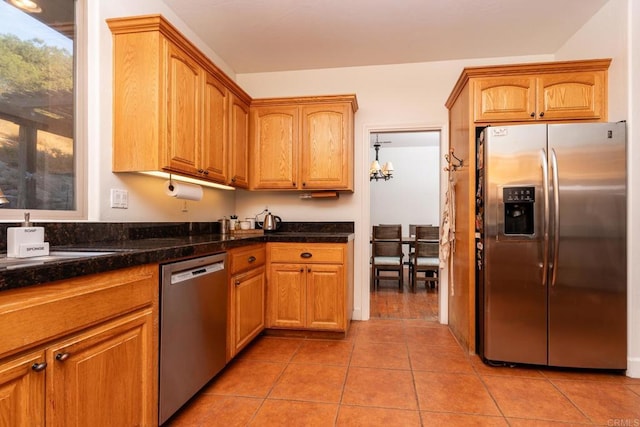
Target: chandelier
(375, 171)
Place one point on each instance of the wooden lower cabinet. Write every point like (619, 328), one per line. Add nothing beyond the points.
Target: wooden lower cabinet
(316, 294)
(246, 296)
(100, 377)
(22, 391)
(248, 307)
(81, 352)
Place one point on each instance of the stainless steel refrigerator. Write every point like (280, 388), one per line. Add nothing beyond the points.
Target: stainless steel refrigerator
(551, 239)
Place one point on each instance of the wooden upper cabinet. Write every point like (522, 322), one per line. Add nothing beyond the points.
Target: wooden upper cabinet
(184, 106)
(326, 149)
(215, 142)
(275, 147)
(549, 91)
(171, 105)
(505, 99)
(238, 142)
(303, 143)
(580, 95)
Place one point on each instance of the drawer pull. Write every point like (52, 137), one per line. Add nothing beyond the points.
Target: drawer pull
(61, 357)
(251, 259)
(306, 255)
(39, 366)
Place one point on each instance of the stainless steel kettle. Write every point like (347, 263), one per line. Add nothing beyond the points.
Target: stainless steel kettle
(271, 222)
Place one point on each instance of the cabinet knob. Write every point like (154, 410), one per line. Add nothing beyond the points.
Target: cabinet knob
(251, 259)
(233, 179)
(237, 282)
(542, 114)
(306, 255)
(302, 270)
(304, 184)
(206, 172)
(532, 114)
(294, 184)
(308, 270)
(39, 366)
(61, 357)
(200, 170)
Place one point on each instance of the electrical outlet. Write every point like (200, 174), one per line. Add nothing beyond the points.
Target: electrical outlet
(119, 198)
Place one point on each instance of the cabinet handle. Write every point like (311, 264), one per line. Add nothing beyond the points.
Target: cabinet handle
(306, 255)
(39, 366)
(304, 184)
(237, 282)
(233, 179)
(251, 259)
(206, 172)
(542, 114)
(61, 357)
(294, 184)
(302, 270)
(200, 170)
(532, 114)
(308, 270)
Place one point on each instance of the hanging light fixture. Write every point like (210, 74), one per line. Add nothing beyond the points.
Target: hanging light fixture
(375, 171)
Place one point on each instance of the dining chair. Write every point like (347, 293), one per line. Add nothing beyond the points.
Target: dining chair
(425, 257)
(386, 254)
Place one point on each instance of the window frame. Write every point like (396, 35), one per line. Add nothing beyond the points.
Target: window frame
(80, 133)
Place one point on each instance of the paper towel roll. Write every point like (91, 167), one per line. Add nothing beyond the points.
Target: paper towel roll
(181, 190)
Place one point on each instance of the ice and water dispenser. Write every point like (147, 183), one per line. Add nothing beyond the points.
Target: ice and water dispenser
(518, 210)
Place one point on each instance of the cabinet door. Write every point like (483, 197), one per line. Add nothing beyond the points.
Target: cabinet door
(325, 297)
(274, 148)
(566, 96)
(183, 111)
(22, 391)
(500, 99)
(239, 143)
(249, 305)
(105, 376)
(326, 147)
(287, 296)
(214, 142)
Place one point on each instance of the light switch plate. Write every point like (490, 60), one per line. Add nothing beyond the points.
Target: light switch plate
(119, 198)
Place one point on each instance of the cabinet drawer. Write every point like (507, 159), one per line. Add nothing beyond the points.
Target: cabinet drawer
(246, 258)
(37, 314)
(307, 253)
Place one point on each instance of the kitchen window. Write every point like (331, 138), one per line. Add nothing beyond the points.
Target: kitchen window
(41, 154)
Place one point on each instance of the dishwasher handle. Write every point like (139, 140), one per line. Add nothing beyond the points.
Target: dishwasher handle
(182, 276)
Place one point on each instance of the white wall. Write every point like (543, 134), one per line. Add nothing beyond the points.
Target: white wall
(614, 32)
(412, 196)
(633, 139)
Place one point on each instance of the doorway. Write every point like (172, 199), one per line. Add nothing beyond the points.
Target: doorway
(407, 194)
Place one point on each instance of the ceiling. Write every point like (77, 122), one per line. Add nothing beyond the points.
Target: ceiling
(278, 35)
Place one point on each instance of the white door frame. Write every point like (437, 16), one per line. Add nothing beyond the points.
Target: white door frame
(364, 245)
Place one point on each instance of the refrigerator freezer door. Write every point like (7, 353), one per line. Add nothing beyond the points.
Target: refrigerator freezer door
(514, 292)
(587, 301)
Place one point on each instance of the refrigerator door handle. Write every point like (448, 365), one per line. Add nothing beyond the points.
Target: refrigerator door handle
(545, 191)
(556, 216)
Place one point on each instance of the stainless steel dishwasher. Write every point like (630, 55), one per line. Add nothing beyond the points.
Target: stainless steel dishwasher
(193, 328)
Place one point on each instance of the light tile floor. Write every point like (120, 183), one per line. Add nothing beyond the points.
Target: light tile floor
(393, 372)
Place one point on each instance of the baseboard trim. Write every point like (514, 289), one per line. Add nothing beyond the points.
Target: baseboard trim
(633, 367)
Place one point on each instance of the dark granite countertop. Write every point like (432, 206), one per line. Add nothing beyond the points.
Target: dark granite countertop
(154, 248)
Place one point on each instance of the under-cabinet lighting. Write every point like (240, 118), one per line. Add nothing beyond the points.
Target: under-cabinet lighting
(175, 177)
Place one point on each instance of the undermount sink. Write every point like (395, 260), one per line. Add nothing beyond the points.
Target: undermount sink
(52, 257)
